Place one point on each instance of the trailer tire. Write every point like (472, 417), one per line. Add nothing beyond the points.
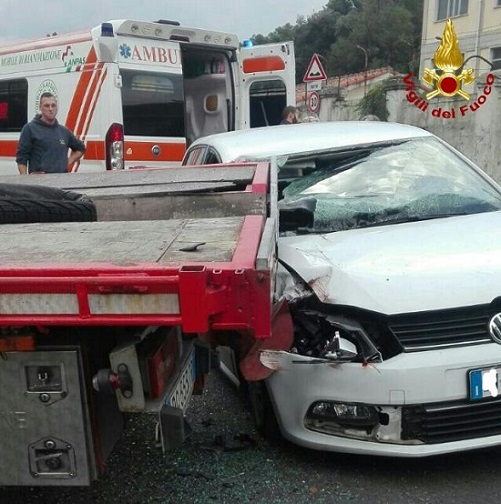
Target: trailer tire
(31, 203)
(33, 191)
(29, 211)
(262, 411)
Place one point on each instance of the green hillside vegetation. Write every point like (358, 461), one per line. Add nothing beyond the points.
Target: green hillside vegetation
(352, 34)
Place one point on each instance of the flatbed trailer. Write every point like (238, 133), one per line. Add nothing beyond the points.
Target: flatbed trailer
(122, 314)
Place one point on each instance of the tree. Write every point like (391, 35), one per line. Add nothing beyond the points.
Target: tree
(315, 35)
(388, 31)
(374, 103)
(384, 29)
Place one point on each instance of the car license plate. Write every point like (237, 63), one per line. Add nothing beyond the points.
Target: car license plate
(485, 383)
(182, 390)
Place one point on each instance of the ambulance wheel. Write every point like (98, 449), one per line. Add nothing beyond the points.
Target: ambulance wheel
(20, 203)
(262, 411)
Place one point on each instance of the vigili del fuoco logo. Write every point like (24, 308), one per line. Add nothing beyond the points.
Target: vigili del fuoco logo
(447, 79)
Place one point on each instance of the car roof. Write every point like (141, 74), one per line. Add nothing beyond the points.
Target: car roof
(261, 143)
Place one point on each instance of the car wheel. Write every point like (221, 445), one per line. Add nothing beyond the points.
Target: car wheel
(25, 204)
(262, 411)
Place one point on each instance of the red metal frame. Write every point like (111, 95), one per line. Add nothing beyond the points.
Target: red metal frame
(212, 295)
(260, 181)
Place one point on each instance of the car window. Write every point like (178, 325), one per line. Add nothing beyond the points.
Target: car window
(194, 156)
(212, 157)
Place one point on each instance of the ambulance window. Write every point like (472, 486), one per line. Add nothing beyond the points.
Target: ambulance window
(13, 104)
(152, 104)
(268, 98)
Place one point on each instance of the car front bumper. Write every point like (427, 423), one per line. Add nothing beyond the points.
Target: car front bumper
(406, 383)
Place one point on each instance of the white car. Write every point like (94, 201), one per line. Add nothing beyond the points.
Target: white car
(390, 266)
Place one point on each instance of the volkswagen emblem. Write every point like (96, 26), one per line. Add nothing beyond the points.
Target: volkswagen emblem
(495, 328)
(155, 150)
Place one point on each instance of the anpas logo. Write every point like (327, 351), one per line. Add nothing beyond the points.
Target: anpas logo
(71, 62)
(447, 79)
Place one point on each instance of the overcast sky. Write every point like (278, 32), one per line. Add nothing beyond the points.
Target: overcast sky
(22, 19)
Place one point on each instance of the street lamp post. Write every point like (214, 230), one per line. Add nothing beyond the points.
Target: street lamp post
(324, 59)
(366, 53)
(412, 53)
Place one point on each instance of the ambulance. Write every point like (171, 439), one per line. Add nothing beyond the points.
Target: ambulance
(138, 93)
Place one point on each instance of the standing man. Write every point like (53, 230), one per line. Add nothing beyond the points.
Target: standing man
(289, 115)
(44, 143)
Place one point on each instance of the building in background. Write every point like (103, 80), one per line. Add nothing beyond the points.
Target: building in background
(478, 27)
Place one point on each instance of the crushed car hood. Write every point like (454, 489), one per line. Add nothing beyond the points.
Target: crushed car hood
(401, 268)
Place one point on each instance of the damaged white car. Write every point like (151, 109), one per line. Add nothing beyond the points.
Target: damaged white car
(387, 334)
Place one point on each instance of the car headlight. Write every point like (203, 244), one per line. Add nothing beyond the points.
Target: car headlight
(331, 337)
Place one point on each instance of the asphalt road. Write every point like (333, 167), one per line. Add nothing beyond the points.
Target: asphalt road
(225, 461)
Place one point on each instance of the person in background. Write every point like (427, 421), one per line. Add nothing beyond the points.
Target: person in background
(44, 143)
(289, 115)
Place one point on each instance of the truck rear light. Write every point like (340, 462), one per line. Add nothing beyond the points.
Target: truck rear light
(158, 356)
(25, 343)
(114, 145)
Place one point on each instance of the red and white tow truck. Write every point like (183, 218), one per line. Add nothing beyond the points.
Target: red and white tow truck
(122, 314)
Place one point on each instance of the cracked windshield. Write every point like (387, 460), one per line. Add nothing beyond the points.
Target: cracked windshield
(387, 184)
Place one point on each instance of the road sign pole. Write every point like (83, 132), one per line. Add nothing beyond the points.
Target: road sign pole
(314, 75)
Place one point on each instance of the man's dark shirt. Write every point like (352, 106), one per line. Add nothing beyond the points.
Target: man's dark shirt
(44, 147)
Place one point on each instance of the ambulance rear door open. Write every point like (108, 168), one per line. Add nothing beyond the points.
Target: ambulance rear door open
(267, 83)
(210, 73)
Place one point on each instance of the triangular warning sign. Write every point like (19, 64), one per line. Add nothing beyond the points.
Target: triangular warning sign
(315, 70)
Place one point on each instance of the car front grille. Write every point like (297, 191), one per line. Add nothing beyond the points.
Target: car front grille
(445, 422)
(442, 328)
